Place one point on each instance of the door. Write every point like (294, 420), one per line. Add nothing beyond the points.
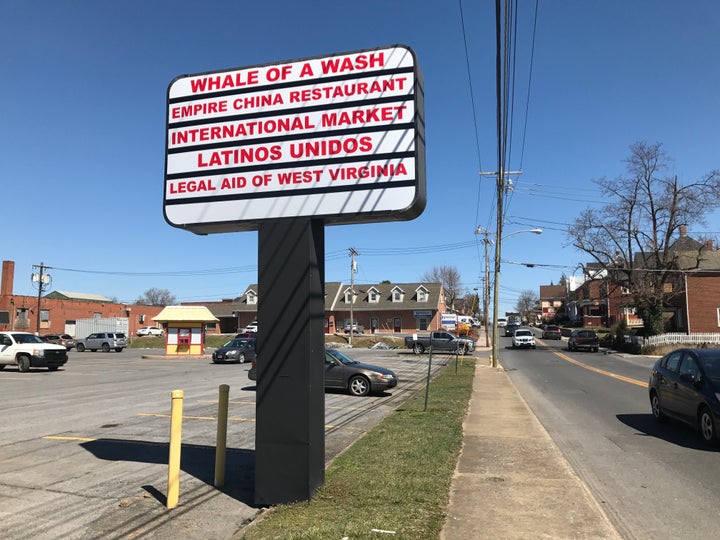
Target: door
(687, 394)
(397, 325)
(668, 383)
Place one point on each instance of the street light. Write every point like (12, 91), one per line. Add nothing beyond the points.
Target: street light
(496, 287)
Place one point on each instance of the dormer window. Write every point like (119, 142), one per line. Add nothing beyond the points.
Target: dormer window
(373, 295)
(398, 294)
(422, 294)
(251, 297)
(350, 297)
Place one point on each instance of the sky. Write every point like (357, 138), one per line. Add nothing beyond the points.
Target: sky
(83, 104)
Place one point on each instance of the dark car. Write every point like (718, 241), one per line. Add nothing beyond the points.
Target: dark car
(66, 340)
(551, 332)
(238, 350)
(685, 385)
(510, 329)
(584, 339)
(344, 373)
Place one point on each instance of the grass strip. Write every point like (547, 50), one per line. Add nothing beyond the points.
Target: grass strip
(395, 478)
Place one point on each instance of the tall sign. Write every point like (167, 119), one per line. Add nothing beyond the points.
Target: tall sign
(338, 137)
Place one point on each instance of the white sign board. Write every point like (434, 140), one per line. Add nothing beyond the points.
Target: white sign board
(340, 138)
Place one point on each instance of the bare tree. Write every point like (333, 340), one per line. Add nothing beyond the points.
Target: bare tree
(526, 303)
(449, 277)
(156, 297)
(631, 237)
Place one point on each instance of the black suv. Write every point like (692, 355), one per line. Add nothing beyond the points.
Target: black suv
(584, 339)
(104, 341)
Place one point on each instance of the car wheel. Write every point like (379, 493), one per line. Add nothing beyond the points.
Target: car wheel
(418, 348)
(657, 411)
(707, 426)
(23, 363)
(118, 349)
(241, 359)
(359, 386)
(80, 347)
(2, 366)
(105, 347)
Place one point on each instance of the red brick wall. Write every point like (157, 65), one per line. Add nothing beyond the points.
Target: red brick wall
(703, 294)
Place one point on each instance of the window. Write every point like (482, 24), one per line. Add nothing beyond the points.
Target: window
(44, 315)
(688, 366)
(422, 323)
(624, 290)
(373, 295)
(422, 295)
(251, 298)
(673, 360)
(397, 295)
(350, 297)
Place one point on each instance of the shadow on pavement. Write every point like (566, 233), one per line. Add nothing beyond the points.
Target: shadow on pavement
(196, 460)
(673, 432)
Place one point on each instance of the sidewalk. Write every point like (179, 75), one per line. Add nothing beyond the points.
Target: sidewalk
(511, 481)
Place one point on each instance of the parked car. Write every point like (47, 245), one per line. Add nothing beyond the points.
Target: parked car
(551, 332)
(66, 340)
(584, 339)
(510, 329)
(344, 373)
(440, 341)
(26, 350)
(523, 337)
(150, 331)
(357, 328)
(246, 335)
(685, 385)
(239, 350)
(104, 341)
(252, 327)
(502, 322)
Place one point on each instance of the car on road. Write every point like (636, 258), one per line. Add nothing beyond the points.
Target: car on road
(238, 350)
(344, 373)
(584, 339)
(685, 385)
(105, 341)
(551, 331)
(150, 331)
(501, 322)
(66, 340)
(523, 338)
(510, 329)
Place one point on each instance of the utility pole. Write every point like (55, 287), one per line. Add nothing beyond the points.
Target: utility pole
(486, 291)
(42, 279)
(353, 269)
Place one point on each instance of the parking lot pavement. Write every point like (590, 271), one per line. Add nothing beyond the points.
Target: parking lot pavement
(85, 455)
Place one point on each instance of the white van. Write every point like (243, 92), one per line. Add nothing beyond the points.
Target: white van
(502, 322)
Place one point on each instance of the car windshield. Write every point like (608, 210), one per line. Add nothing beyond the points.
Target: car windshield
(523, 333)
(27, 338)
(342, 358)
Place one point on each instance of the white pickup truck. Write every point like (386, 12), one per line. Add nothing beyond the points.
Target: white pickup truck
(26, 350)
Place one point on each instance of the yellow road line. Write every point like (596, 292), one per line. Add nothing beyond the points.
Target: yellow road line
(598, 370)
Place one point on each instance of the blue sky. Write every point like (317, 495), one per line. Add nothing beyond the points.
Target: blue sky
(82, 130)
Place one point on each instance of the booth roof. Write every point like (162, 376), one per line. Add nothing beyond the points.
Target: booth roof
(185, 314)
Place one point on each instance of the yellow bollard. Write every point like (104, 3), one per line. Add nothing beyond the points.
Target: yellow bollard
(221, 440)
(175, 441)
(490, 360)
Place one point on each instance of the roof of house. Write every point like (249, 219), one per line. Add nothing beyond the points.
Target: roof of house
(185, 314)
(64, 295)
(335, 298)
(552, 291)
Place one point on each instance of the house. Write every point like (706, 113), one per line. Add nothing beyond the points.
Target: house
(384, 308)
(552, 301)
(691, 290)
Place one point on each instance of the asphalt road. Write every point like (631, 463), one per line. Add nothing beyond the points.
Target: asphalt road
(83, 450)
(655, 481)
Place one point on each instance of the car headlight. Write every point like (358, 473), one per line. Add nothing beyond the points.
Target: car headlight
(40, 353)
(384, 377)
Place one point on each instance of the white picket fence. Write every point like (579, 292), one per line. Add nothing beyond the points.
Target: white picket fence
(678, 337)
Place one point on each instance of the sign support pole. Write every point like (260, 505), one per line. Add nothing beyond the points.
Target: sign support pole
(290, 402)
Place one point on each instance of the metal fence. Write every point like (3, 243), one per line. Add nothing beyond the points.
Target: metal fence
(678, 337)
